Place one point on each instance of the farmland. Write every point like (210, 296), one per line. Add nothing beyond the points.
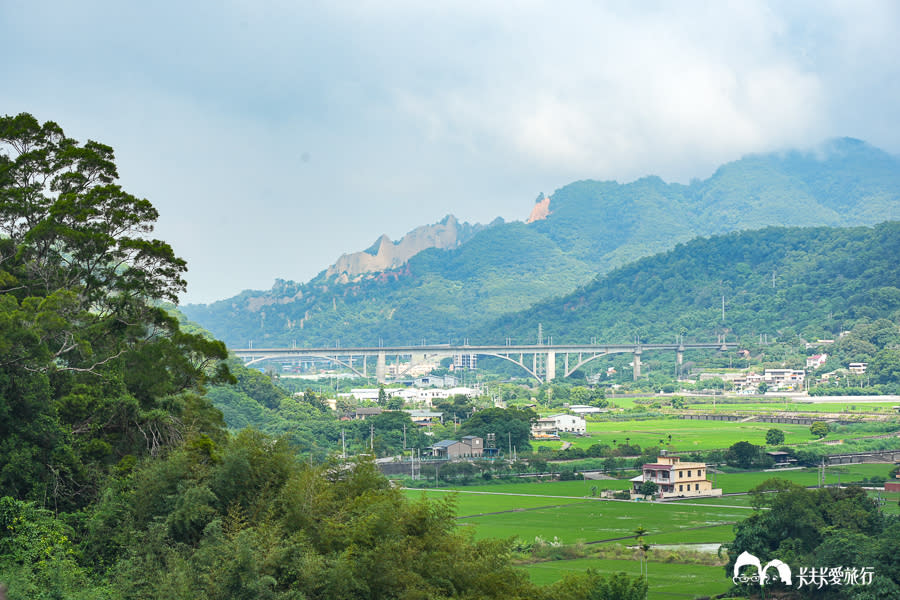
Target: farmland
(686, 435)
(693, 435)
(666, 580)
(563, 512)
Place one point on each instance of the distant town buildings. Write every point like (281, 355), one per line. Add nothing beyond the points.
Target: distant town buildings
(416, 396)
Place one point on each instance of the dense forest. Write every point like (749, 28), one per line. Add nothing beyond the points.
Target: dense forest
(829, 537)
(593, 227)
(118, 477)
(781, 282)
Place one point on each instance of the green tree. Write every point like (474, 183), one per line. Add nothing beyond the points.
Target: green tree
(742, 455)
(93, 370)
(648, 489)
(774, 437)
(819, 429)
(511, 426)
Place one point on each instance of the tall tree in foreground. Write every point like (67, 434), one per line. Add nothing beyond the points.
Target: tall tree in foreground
(92, 370)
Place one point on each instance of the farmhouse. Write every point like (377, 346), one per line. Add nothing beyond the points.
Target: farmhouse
(675, 478)
(470, 445)
(545, 429)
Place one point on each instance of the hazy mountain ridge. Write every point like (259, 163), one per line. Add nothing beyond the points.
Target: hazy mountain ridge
(589, 228)
(385, 255)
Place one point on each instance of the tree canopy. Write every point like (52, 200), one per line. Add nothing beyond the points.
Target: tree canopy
(92, 369)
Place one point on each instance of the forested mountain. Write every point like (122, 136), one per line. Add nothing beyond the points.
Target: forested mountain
(591, 227)
(778, 281)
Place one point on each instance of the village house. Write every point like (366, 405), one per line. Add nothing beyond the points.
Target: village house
(468, 446)
(675, 479)
(816, 360)
(570, 423)
(545, 429)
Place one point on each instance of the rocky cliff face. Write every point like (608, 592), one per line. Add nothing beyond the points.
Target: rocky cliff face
(385, 254)
(540, 210)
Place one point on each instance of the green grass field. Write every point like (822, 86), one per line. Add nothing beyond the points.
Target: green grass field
(742, 482)
(665, 580)
(563, 511)
(686, 435)
(861, 407)
(599, 520)
(468, 504)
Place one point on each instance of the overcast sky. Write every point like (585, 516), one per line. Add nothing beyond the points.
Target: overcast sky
(275, 136)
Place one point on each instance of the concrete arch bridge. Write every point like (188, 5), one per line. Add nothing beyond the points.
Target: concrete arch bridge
(538, 360)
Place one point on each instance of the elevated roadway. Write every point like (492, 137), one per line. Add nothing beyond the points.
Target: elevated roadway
(541, 361)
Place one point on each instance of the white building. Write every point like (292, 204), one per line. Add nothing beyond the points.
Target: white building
(815, 361)
(569, 423)
(545, 429)
(418, 396)
(584, 409)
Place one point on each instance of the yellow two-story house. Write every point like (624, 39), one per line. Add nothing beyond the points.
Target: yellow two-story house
(675, 478)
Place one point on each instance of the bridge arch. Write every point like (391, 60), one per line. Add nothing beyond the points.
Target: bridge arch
(513, 361)
(322, 356)
(587, 360)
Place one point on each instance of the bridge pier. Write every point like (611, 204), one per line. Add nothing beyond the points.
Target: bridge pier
(637, 363)
(381, 368)
(551, 366)
(679, 359)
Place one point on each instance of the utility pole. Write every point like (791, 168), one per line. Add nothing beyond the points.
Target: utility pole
(509, 438)
(404, 436)
(372, 437)
(343, 445)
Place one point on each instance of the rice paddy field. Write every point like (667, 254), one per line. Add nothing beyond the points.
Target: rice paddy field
(498, 515)
(666, 580)
(686, 435)
(565, 512)
(852, 407)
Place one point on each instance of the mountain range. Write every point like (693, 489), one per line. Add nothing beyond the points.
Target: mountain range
(452, 280)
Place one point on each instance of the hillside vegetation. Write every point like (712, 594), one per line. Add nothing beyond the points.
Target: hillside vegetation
(118, 477)
(781, 282)
(592, 228)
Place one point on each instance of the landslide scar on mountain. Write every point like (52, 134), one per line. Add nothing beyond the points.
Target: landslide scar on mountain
(540, 210)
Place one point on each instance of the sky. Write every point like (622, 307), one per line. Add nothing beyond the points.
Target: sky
(274, 136)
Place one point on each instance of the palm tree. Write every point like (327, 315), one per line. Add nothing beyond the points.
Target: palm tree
(639, 534)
